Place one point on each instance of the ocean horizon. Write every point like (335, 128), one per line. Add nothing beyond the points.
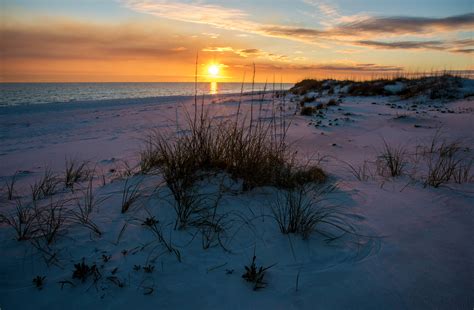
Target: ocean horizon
(17, 94)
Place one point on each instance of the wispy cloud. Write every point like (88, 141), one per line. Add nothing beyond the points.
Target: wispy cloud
(405, 25)
(245, 53)
(326, 13)
(356, 30)
(457, 46)
(338, 67)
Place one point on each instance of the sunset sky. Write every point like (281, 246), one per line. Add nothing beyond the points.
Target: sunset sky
(155, 40)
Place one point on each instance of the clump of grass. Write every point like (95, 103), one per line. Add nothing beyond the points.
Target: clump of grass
(46, 186)
(149, 157)
(256, 153)
(86, 206)
(300, 176)
(462, 173)
(130, 195)
(75, 172)
(22, 221)
(446, 161)
(361, 172)
(179, 169)
(51, 220)
(255, 274)
(392, 161)
(299, 211)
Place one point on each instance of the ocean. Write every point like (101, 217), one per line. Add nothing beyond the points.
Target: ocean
(14, 94)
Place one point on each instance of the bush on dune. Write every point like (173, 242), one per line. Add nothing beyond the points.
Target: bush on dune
(256, 153)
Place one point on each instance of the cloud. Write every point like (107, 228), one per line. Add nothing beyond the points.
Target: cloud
(218, 49)
(405, 25)
(72, 40)
(457, 46)
(437, 45)
(326, 13)
(249, 52)
(336, 67)
(196, 12)
(345, 28)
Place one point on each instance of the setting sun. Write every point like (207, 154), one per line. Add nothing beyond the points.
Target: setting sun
(213, 70)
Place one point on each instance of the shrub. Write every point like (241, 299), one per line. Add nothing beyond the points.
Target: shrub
(307, 111)
(305, 86)
(372, 88)
(306, 100)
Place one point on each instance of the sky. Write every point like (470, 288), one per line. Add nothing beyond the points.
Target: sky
(287, 40)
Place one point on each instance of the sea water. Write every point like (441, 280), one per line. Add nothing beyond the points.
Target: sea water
(14, 94)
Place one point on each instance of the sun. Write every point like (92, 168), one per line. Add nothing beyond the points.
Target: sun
(213, 70)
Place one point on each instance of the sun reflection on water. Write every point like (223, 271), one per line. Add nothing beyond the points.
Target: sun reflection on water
(213, 88)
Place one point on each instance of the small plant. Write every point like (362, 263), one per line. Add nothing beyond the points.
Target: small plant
(148, 268)
(392, 161)
(255, 274)
(82, 271)
(154, 226)
(115, 280)
(447, 161)
(150, 221)
(130, 194)
(45, 187)
(137, 267)
(75, 172)
(11, 187)
(362, 172)
(22, 221)
(85, 207)
(106, 258)
(211, 224)
(462, 173)
(298, 211)
(38, 281)
(50, 219)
